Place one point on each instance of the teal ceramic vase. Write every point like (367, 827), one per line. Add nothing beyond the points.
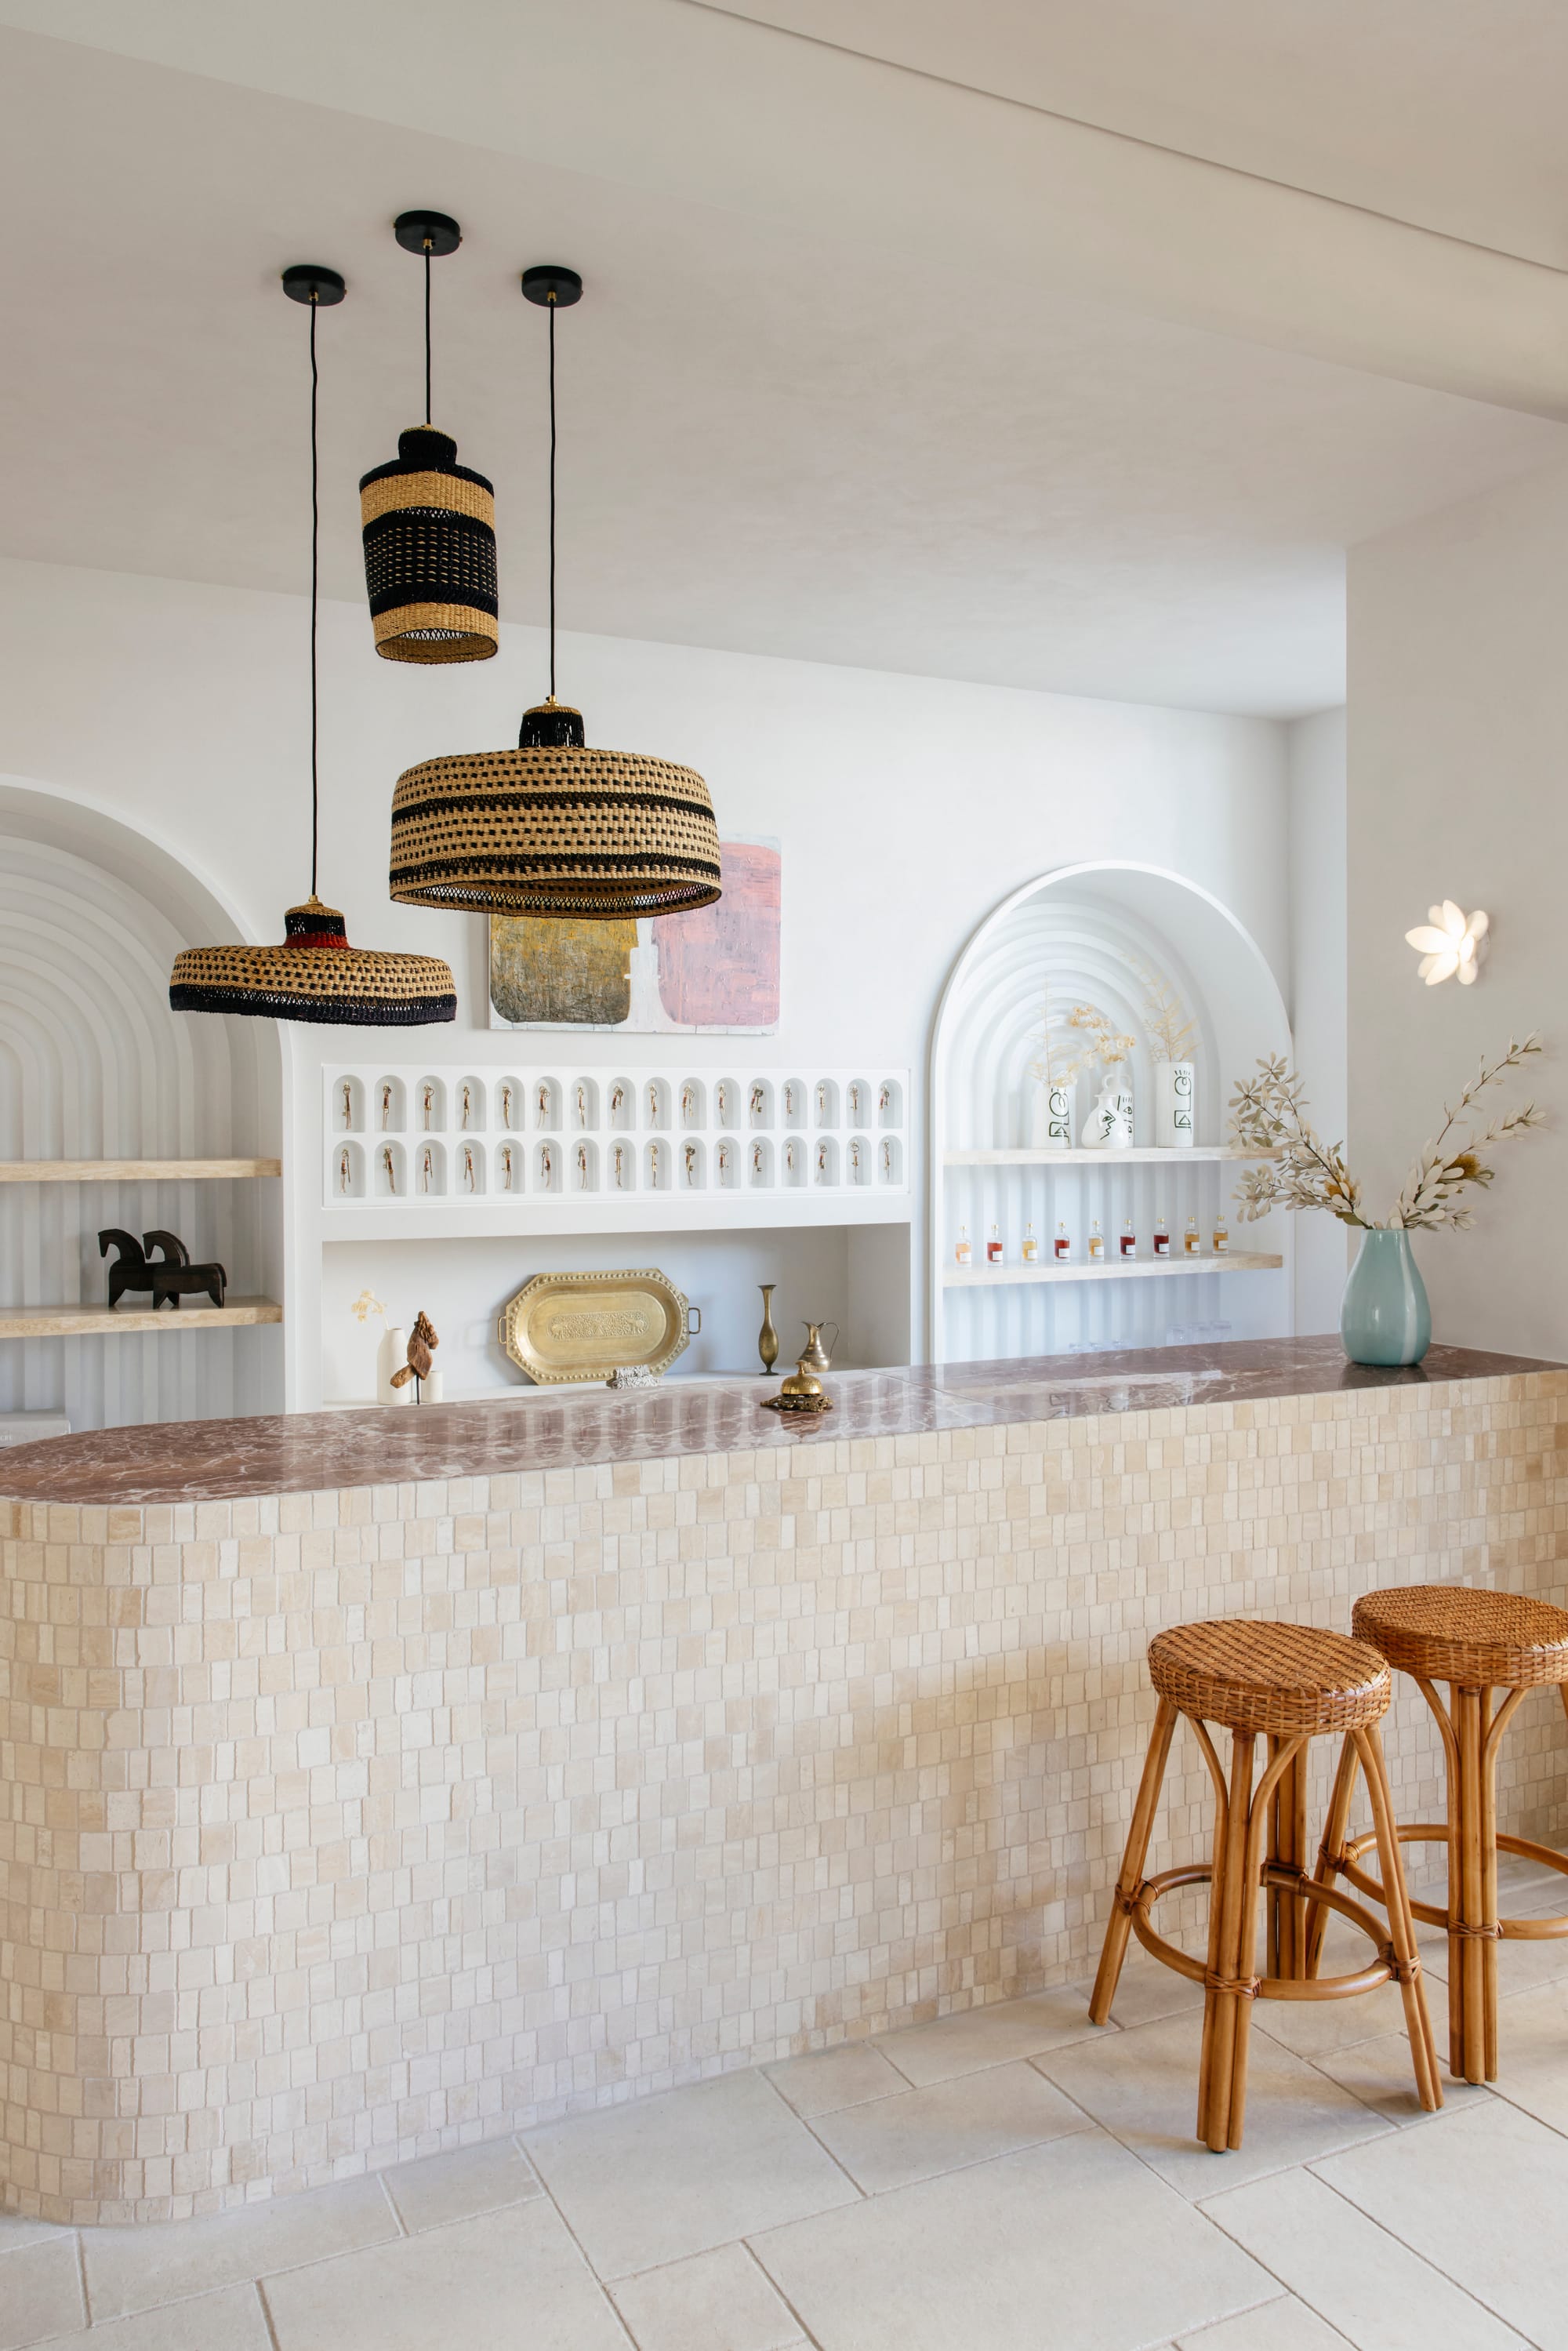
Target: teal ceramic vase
(1385, 1316)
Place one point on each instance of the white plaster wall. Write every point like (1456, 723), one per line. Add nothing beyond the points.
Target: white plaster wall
(906, 807)
(1458, 751)
(1319, 984)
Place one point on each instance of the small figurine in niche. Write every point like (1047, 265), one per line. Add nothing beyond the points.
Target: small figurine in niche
(617, 1104)
(389, 1167)
(426, 1169)
(691, 1163)
(756, 1163)
(581, 1104)
(347, 1103)
(621, 1166)
(582, 1167)
(546, 1167)
(688, 1106)
(822, 1101)
(723, 1162)
(467, 1106)
(343, 1164)
(170, 1277)
(429, 1100)
(422, 1345)
(652, 1105)
(656, 1168)
(758, 1101)
(506, 1164)
(821, 1162)
(855, 1159)
(790, 1156)
(386, 1106)
(884, 1100)
(541, 1103)
(468, 1167)
(507, 1106)
(887, 1162)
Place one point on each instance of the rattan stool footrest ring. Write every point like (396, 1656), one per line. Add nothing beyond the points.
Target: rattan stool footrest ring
(1384, 1970)
(1512, 1930)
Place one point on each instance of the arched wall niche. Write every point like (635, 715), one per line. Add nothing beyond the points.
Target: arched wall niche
(1094, 932)
(94, 1064)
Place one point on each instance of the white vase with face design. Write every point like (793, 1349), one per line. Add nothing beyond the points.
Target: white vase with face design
(1109, 1125)
(1174, 1105)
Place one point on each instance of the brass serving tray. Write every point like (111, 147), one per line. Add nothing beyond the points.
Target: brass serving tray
(566, 1327)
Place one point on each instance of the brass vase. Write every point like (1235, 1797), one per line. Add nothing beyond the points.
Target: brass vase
(768, 1337)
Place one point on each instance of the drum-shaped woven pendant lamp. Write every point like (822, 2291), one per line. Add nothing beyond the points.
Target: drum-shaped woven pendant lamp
(553, 827)
(314, 973)
(429, 523)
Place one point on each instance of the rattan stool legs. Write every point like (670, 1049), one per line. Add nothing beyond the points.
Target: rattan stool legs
(1259, 1842)
(1471, 1729)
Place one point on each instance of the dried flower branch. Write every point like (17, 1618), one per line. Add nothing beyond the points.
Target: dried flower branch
(1102, 1047)
(1268, 1117)
(1164, 1016)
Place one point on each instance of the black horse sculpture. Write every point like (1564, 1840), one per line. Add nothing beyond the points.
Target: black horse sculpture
(170, 1277)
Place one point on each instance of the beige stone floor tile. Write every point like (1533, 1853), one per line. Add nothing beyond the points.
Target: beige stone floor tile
(1482, 2196)
(989, 2036)
(1028, 2253)
(510, 2281)
(1533, 2052)
(1284, 2325)
(969, 2119)
(827, 2079)
(652, 2182)
(1352, 2274)
(458, 2187)
(1142, 2087)
(1314, 2028)
(40, 2292)
(1379, 2074)
(16, 2232)
(137, 2269)
(230, 2320)
(720, 2301)
(1146, 1991)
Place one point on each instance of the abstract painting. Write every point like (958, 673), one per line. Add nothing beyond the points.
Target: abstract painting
(716, 968)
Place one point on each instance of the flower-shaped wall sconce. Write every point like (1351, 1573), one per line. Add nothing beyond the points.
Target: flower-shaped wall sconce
(1450, 942)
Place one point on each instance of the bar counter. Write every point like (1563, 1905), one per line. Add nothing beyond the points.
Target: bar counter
(374, 1782)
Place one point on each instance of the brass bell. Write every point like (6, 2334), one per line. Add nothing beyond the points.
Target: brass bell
(801, 1383)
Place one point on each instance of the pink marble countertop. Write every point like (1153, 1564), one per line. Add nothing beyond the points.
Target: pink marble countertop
(221, 1460)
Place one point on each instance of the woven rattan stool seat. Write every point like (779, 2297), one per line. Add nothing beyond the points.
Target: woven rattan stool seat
(1289, 1680)
(1482, 1640)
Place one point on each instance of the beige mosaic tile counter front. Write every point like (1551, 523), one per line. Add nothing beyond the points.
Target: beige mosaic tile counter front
(340, 1827)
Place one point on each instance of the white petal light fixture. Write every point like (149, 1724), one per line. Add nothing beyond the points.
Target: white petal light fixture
(553, 827)
(1450, 944)
(315, 974)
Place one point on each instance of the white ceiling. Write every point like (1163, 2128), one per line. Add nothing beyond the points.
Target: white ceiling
(899, 447)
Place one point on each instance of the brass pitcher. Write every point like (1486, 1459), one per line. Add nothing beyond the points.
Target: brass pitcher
(768, 1337)
(815, 1356)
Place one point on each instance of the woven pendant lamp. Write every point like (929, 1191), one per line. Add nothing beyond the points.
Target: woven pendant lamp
(429, 523)
(315, 974)
(554, 828)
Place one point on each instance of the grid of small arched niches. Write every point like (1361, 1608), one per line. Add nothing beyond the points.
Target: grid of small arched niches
(446, 1133)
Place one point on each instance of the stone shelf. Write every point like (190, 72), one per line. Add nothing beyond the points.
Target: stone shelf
(133, 1170)
(1138, 1269)
(99, 1321)
(1138, 1156)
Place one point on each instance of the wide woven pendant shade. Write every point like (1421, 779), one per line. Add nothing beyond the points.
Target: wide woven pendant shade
(315, 975)
(553, 827)
(429, 527)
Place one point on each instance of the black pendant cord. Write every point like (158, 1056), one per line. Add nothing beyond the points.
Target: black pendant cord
(315, 583)
(427, 331)
(551, 314)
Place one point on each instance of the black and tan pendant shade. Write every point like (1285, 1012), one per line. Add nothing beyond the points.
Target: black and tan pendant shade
(429, 524)
(554, 828)
(315, 975)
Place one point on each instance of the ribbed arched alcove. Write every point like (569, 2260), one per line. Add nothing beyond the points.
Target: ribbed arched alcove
(1097, 935)
(94, 1065)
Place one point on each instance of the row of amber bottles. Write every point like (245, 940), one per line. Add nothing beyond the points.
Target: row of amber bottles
(1096, 1252)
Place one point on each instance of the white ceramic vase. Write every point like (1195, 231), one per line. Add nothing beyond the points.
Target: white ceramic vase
(391, 1357)
(1174, 1105)
(1050, 1116)
(1109, 1125)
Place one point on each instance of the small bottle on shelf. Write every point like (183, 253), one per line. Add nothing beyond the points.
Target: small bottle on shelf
(1129, 1239)
(994, 1248)
(1030, 1251)
(1096, 1244)
(1221, 1234)
(1191, 1243)
(961, 1253)
(1061, 1248)
(1162, 1238)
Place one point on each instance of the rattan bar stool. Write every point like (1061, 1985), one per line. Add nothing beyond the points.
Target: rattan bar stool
(1479, 1643)
(1288, 1684)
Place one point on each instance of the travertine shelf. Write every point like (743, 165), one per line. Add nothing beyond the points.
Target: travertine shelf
(1138, 1156)
(134, 1171)
(379, 1783)
(100, 1322)
(1140, 1269)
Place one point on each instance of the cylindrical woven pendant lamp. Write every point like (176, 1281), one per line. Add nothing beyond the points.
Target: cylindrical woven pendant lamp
(314, 973)
(429, 523)
(553, 827)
